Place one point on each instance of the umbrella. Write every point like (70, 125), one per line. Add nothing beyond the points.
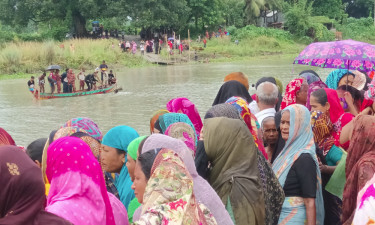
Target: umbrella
(171, 38)
(53, 67)
(348, 54)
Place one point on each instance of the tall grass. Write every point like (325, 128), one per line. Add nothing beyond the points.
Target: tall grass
(31, 57)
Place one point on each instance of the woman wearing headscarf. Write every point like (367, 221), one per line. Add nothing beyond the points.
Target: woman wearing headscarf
(130, 164)
(230, 89)
(250, 120)
(339, 77)
(168, 119)
(185, 106)
(5, 138)
(360, 163)
(78, 191)
(330, 155)
(115, 146)
(295, 93)
(327, 101)
(20, 204)
(273, 193)
(234, 171)
(365, 212)
(238, 76)
(183, 132)
(298, 170)
(202, 189)
(165, 188)
(313, 87)
(87, 125)
(310, 76)
(155, 117)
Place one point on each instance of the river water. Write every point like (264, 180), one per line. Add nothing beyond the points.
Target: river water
(145, 90)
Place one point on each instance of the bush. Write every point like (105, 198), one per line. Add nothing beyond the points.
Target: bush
(251, 32)
(359, 29)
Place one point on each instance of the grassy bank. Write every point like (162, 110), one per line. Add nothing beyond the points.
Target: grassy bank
(34, 57)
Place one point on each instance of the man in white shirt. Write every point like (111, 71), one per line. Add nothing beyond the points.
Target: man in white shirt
(267, 98)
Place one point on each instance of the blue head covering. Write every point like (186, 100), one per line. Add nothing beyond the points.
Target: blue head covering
(301, 140)
(334, 78)
(310, 76)
(170, 118)
(119, 137)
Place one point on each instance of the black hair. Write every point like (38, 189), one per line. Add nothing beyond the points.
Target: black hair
(120, 152)
(321, 96)
(140, 146)
(354, 92)
(146, 161)
(35, 149)
(157, 126)
(32, 77)
(347, 74)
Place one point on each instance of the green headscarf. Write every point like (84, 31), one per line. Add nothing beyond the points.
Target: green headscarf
(133, 146)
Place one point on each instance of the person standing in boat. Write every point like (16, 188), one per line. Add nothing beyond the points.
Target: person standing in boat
(103, 67)
(71, 81)
(81, 77)
(64, 81)
(41, 82)
(52, 81)
(58, 81)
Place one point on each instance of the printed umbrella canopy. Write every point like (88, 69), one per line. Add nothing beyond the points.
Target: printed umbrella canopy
(347, 54)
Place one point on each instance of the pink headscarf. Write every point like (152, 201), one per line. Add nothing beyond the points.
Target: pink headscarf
(78, 192)
(184, 132)
(203, 191)
(185, 106)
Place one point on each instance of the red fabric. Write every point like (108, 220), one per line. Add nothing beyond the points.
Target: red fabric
(254, 97)
(366, 103)
(291, 90)
(5, 138)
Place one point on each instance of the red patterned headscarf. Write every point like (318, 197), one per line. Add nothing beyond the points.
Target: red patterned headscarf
(5, 138)
(291, 90)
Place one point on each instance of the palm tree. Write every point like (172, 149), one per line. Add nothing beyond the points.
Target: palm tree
(252, 10)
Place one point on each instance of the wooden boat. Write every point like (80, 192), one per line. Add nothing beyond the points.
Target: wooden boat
(109, 89)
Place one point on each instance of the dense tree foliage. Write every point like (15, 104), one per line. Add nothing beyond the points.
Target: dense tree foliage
(55, 18)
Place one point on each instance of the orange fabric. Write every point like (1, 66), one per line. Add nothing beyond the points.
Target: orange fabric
(238, 76)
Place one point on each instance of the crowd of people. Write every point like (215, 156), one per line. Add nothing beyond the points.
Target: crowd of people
(68, 80)
(306, 156)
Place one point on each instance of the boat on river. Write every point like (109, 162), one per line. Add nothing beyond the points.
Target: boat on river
(106, 90)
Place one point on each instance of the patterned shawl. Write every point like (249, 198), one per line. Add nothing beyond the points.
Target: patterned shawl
(360, 163)
(88, 125)
(120, 137)
(359, 81)
(334, 78)
(235, 175)
(202, 189)
(365, 212)
(170, 118)
(185, 106)
(250, 120)
(183, 132)
(313, 87)
(310, 76)
(290, 96)
(5, 138)
(155, 117)
(78, 191)
(169, 197)
(223, 110)
(322, 128)
(300, 141)
(22, 196)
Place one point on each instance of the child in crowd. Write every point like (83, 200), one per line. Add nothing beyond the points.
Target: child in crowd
(81, 77)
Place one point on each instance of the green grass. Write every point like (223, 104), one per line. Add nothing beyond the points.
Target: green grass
(34, 57)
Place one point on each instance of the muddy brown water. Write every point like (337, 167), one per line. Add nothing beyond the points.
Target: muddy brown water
(145, 90)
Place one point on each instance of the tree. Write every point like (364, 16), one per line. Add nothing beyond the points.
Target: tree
(330, 8)
(252, 10)
(359, 8)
